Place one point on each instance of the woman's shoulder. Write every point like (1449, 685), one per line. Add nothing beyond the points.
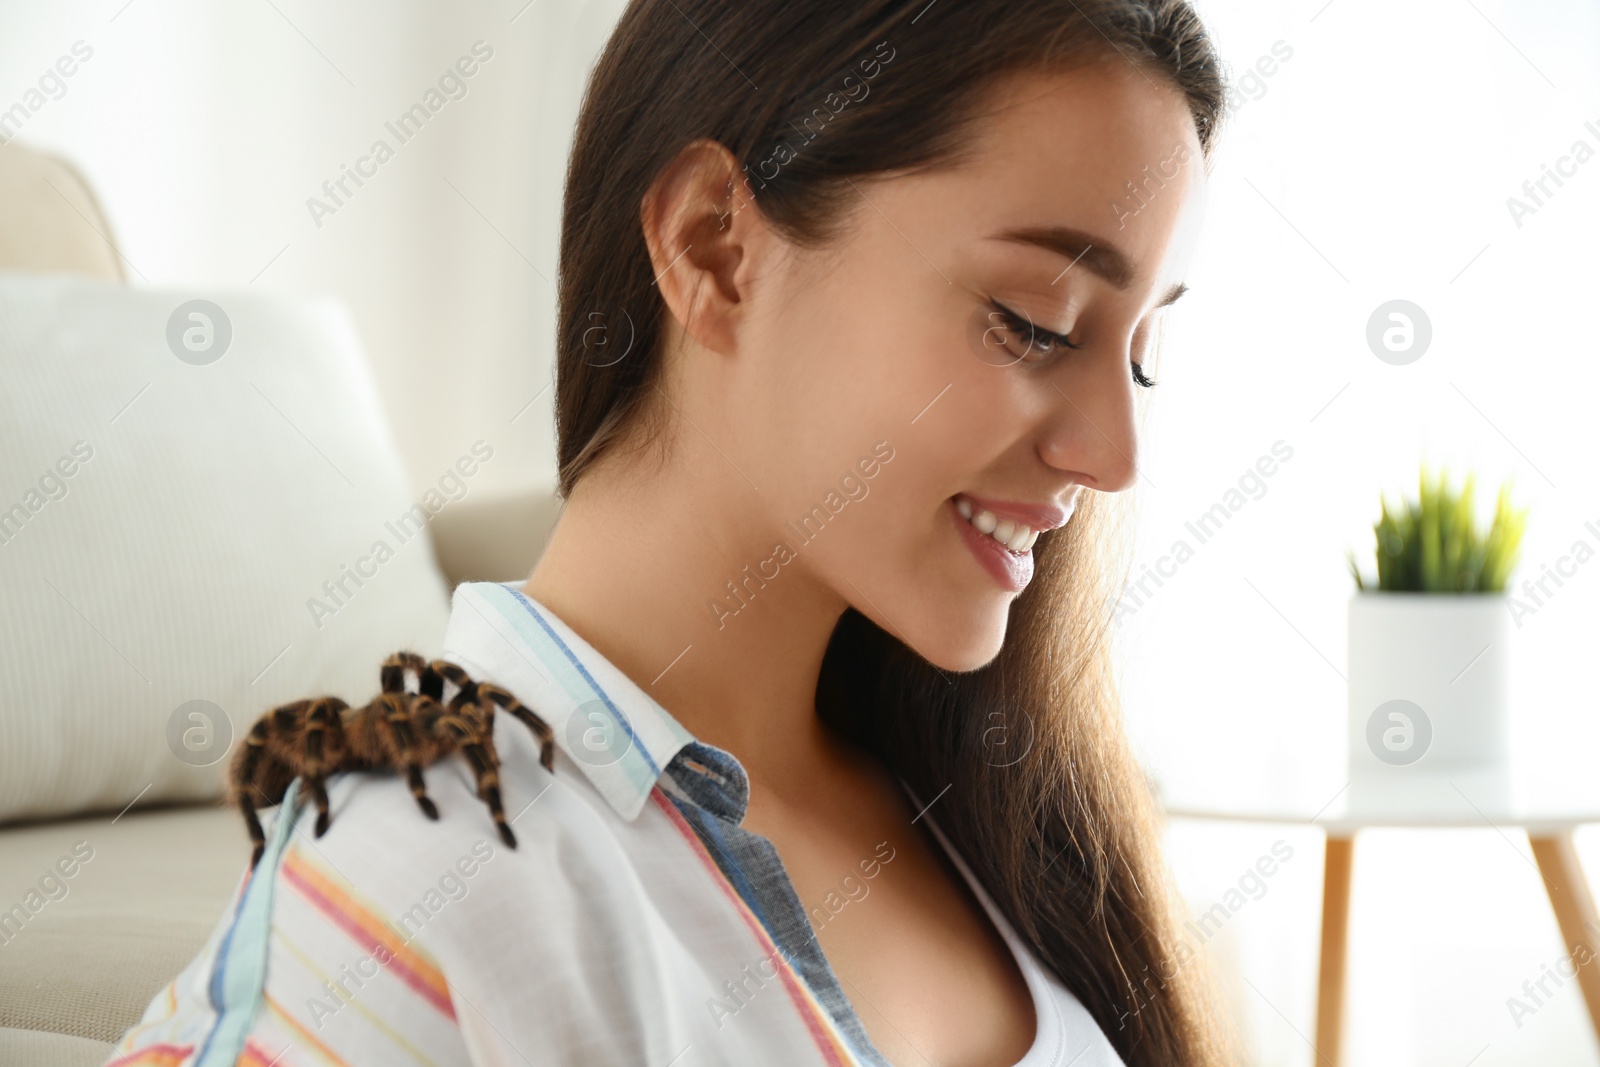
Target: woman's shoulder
(384, 852)
(409, 818)
(384, 928)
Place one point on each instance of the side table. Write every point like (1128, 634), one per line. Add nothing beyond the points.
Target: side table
(1549, 813)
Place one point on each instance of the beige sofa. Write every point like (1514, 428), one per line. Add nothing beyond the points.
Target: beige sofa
(159, 879)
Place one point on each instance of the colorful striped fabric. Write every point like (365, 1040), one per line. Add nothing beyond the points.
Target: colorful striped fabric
(637, 922)
(625, 928)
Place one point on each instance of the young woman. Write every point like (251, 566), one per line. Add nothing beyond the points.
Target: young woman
(855, 305)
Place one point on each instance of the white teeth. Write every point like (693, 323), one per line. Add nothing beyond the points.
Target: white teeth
(1014, 535)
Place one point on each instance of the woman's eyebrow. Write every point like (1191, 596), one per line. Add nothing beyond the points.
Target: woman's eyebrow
(1098, 256)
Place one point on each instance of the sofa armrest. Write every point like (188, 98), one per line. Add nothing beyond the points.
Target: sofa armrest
(52, 221)
(494, 538)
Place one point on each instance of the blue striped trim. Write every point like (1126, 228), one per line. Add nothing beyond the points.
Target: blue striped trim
(239, 976)
(634, 743)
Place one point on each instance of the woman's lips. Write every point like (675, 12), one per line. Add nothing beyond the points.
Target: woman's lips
(1040, 517)
(1011, 570)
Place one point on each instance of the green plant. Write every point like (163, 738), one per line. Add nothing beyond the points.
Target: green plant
(1432, 544)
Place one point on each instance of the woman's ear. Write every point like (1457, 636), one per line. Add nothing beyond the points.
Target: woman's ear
(699, 231)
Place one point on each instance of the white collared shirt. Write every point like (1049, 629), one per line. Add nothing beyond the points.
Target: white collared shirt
(636, 923)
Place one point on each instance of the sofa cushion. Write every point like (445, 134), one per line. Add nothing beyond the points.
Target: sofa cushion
(202, 515)
(96, 915)
(33, 1048)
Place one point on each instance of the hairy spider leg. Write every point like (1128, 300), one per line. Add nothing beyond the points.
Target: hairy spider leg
(394, 716)
(323, 740)
(469, 731)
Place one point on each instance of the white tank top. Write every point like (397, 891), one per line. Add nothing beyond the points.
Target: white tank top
(1066, 1035)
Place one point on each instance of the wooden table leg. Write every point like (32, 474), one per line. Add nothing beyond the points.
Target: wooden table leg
(1335, 931)
(1575, 911)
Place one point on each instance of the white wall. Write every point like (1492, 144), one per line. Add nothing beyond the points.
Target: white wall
(1389, 142)
(205, 128)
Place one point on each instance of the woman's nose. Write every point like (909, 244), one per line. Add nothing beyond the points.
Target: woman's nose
(1092, 431)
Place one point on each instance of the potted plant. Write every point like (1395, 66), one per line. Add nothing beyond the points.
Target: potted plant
(1429, 639)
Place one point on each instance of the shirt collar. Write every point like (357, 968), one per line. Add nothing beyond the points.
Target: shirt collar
(615, 732)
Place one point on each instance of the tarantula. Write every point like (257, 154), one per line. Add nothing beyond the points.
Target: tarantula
(312, 739)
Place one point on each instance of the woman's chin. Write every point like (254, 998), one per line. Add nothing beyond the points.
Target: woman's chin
(964, 650)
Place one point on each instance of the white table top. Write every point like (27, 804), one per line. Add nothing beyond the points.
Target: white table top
(1538, 803)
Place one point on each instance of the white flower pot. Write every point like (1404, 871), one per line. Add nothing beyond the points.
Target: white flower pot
(1429, 683)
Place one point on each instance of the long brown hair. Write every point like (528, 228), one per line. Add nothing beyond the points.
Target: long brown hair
(1057, 823)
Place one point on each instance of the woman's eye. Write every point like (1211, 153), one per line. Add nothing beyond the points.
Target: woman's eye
(1039, 344)
(1036, 343)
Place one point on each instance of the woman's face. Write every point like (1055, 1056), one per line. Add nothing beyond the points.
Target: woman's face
(906, 416)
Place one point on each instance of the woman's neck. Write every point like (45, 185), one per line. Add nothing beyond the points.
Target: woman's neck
(640, 566)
